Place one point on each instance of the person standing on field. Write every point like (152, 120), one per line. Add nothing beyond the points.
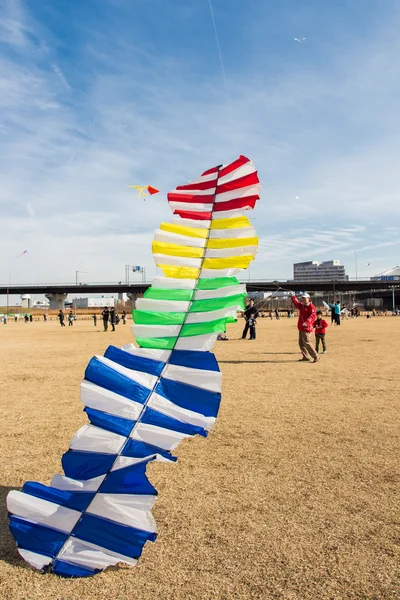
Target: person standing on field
(105, 316)
(112, 318)
(252, 326)
(320, 326)
(305, 325)
(250, 310)
(335, 308)
(61, 317)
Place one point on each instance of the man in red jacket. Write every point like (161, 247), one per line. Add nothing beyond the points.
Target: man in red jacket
(305, 325)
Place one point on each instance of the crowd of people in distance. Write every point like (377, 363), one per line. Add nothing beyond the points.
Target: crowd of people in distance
(27, 318)
(310, 320)
(109, 316)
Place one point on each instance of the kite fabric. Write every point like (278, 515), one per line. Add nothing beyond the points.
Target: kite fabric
(143, 189)
(152, 190)
(141, 402)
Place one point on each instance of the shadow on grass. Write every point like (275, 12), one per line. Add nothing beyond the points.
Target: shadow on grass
(249, 362)
(291, 353)
(273, 353)
(8, 549)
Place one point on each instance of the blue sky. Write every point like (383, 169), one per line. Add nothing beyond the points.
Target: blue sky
(100, 94)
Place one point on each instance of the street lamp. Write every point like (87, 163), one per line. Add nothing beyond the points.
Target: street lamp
(355, 258)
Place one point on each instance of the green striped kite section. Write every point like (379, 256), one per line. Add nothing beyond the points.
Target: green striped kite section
(216, 283)
(165, 343)
(145, 317)
(217, 303)
(167, 294)
(208, 327)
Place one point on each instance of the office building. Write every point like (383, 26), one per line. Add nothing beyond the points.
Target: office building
(313, 270)
(93, 302)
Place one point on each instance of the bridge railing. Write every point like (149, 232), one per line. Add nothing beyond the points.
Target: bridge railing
(149, 282)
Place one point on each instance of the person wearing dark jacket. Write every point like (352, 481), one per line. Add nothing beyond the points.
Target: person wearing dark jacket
(112, 318)
(105, 315)
(305, 325)
(61, 318)
(252, 326)
(250, 310)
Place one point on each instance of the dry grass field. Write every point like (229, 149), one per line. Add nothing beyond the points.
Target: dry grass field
(293, 496)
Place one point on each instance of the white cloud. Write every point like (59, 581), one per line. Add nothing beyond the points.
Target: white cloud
(61, 76)
(30, 210)
(12, 27)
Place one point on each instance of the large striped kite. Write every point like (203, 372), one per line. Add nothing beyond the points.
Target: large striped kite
(142, 402)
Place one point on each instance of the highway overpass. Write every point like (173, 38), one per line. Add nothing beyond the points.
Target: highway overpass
(265, 285)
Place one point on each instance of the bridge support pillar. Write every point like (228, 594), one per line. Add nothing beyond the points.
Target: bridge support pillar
(57, 301)
(132, 297)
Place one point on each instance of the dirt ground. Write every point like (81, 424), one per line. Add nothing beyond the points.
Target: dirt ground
(293, 496)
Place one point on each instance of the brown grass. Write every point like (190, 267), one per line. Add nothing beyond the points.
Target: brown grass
(294, 495)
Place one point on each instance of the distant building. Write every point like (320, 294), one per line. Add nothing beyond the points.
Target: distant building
(390, 275)
(314, 270)
(93, 302)
(41, 304)
(26, 301)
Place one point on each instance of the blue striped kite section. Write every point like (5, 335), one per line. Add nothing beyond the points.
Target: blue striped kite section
(99, 512)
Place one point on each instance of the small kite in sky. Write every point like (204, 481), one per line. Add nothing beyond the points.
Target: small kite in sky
(300, 40)
(22, 253)
(143, 189)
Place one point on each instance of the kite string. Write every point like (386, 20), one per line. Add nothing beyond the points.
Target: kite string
(219, 52)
